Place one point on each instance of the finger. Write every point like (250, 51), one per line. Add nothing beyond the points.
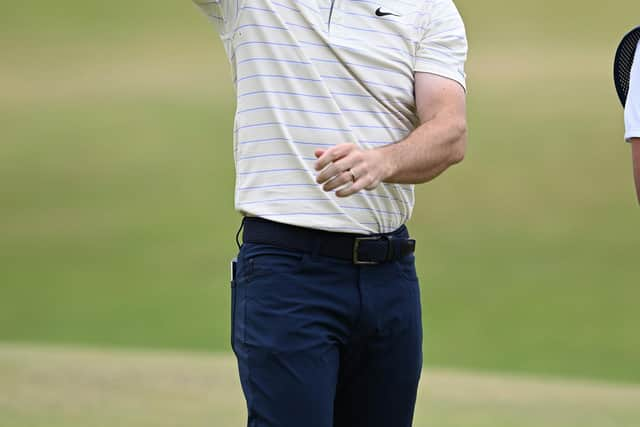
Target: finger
(332, 154)
(372, 186)
(328, 173)
(338, 181)
(318, 153)
(327, 157)
(336, 168)
(362, 181)
(355, 173)
(352, 189)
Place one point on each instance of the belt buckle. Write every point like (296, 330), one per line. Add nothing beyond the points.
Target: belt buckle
(356, 246)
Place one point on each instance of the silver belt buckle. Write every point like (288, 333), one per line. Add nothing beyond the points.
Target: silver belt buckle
(356, 246)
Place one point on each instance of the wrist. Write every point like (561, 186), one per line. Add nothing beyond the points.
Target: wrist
(386, 160)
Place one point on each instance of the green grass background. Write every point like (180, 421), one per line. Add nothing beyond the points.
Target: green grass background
(116, 175)
(45, 387)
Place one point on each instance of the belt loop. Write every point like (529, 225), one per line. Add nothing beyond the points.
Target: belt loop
(390, 248)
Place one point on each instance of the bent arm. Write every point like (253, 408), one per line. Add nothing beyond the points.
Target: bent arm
(440, 140)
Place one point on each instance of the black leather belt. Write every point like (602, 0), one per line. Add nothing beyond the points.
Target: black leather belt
(357, 248)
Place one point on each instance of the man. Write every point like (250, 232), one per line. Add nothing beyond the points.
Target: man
(342, 106)
(632, 118)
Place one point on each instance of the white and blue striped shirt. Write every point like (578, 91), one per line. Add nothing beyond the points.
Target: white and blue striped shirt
(311, 74)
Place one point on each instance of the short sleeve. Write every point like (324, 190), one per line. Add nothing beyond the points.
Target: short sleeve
(632, 107)
(222, 13)
(442, 50)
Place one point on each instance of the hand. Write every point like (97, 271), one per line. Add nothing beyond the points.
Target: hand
(348, 164)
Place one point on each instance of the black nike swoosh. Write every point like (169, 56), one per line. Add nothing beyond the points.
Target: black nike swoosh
(381, 13)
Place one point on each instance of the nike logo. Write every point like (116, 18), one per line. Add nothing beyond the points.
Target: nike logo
(381, 13)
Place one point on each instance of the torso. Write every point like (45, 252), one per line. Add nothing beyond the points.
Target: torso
(311, 74)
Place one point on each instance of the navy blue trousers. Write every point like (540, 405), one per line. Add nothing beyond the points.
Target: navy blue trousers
(321, 342)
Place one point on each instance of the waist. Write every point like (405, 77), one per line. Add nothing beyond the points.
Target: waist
(357, 248)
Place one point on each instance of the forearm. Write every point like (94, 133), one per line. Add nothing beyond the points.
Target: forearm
(635, 155)
(427, 152)
(439, 142)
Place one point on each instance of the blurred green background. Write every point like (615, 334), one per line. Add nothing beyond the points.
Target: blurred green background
(116, 175)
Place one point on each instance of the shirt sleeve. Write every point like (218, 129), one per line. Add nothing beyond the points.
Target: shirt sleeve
(442, 49)
(632, 107)
(223, 14)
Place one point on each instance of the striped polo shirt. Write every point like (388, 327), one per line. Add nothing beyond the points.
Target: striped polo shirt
(310, 74)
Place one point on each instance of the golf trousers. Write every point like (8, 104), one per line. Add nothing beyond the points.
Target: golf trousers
(322, 342)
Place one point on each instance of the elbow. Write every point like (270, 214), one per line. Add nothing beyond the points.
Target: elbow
(458, 143)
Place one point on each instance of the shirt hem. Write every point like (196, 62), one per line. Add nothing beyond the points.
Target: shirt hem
(630, 134)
